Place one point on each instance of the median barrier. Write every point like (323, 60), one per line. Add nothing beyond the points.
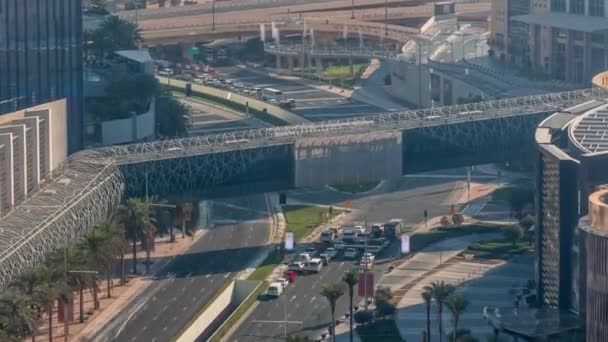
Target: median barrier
(255, 104)
(219, 311)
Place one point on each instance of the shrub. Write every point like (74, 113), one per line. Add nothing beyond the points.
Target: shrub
(363, 317)
(513, 233)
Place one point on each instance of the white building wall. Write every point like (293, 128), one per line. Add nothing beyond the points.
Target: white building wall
(140, 127)
(19, 160)
(6, 173)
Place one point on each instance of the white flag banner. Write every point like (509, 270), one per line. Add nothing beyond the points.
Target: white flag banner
(405, 244)
(289, 241)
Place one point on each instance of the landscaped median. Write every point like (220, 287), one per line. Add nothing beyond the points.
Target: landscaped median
(304, 219)
(237, 101)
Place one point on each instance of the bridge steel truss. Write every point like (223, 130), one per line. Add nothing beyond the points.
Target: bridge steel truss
(92, 182)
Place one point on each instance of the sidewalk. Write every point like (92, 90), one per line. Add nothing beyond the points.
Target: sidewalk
(123, 296)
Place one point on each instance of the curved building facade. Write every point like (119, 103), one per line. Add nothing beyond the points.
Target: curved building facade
(594, 237)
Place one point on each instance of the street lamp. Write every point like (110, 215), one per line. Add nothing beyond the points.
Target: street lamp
(386, 17)
(213, 15)
(352, 15)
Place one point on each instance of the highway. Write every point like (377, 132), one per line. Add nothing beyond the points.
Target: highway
(168, 304)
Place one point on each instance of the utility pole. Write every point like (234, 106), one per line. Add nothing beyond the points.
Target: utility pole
(213, 15)
(419, 73)
(386, 17)
(352, 15)
(365, 264)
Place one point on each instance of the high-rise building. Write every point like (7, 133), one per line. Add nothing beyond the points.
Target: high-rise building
(563, 39)
(572, 161)
(41, 58)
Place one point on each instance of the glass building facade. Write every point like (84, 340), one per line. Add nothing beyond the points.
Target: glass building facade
(41, 58)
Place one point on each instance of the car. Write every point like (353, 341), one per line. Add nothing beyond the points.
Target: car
(325, 258)
(296, 266)
(314, 265)
(370, 256)
(364, 265)
(304, 257)
(339, 245)
(328, 235)
(282, 281)
(377, 229)
(332, 252)
(275, 289)
(273, 101)
(351, 253)
(349, 234)
(313, 252)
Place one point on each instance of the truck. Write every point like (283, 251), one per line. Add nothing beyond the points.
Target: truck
(393, 228)
(377, 229)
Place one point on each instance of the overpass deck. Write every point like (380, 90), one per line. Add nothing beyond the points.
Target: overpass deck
(91, 184)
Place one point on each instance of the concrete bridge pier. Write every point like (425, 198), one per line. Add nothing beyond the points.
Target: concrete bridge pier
(302, 64)
(310, 63)
(319, 65)
(290, 63)
(278, 61)
(348, 159)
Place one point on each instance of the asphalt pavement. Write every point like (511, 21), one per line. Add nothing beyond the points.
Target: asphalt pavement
(189, 282)
(306, 311)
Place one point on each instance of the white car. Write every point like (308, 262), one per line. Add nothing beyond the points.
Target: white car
(296, 266)
(275, 289)
(314, 265)
(369, 256)
(350, 253)
(282, 281)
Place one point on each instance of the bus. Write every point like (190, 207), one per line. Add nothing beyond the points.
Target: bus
(270, 93)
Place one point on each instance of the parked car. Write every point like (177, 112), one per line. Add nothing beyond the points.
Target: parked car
(275, 289)
(332, 252)
(314, 265)
(351, 253)
(328, 235)
(369, 256)
(304, 257)
(325, 258)
(339, 245)
(296, 266)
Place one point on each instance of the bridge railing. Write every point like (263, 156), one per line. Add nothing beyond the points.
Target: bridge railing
(297, 49)
(255, 138)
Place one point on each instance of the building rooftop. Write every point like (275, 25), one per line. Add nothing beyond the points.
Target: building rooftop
(566, 21)
(139, 56)
(533, 322)
(589, 132)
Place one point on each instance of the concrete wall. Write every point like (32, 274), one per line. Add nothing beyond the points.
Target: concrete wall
(405, 83)
(57, 127)
(136, 128)
(19, 160)
(348, 159)
(208, 316)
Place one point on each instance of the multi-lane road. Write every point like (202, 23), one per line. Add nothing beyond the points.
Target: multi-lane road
(186, 284)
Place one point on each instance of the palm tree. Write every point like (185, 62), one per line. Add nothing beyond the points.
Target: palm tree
(427, 296)
(136, 217)
(16, 307)
(332, 292)
(148, 233)
(351, 279)
(440, 292)
(457, 304)
(102, 247)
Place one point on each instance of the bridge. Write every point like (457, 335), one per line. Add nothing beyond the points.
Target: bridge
(93, 182)
(335, 52)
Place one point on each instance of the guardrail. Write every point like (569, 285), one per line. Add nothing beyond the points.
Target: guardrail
(297, 50)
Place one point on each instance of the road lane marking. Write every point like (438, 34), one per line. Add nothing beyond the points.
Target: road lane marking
(189, 274)
(227, 275)
(279, 322)
(153, 340)
(207, 275)
(174, 298)
(292, 299)
(164, 329)
(184, 308)
(164, 308)
(313, 299)
(144, 327)
(155, 318)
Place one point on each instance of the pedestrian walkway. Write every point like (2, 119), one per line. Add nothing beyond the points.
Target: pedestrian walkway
(483, 284)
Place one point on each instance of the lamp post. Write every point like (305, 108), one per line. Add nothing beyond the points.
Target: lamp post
(213, 15)
(352, 15)
(386, 17)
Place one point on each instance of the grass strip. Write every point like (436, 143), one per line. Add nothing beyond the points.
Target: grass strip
(201, 310)
(303, 219)
(419, 241)
(231, 105)
(265, 269)
(498, 249)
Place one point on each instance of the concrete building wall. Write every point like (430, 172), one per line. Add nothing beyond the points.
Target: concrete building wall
(410, 82)
(348, 159)
(34, 142)
(19, 160)
(6, 173)
(136, 128)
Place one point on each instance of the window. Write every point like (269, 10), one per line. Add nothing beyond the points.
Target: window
(558, 5)
(577, 6)
(596, 8)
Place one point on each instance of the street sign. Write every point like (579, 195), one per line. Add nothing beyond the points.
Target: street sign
(289, 241)
(194, 51)
(369, 283)
(405, 244)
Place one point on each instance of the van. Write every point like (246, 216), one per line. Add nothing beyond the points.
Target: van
(275, 289)
(314, 265)
(327, 236)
